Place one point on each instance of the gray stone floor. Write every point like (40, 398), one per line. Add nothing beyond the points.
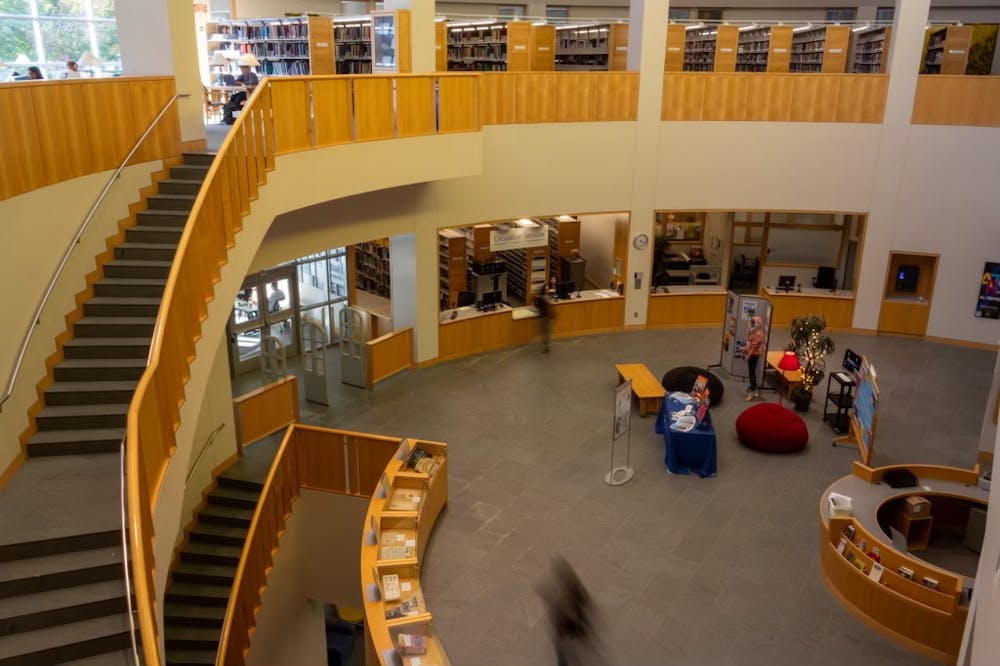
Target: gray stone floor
(685, 571)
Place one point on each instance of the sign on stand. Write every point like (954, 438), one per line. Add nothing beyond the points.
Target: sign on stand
(621, 428)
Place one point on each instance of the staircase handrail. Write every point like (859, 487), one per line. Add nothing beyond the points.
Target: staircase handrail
(123, 494)
(36, 317)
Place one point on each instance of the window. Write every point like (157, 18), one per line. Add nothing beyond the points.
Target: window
(679, 14)
(841, 14)
(510, 12)
(885, 14)
(47, 33)
(710, 14)
(557, 15)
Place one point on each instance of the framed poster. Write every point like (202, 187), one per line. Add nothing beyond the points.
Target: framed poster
(988, 305)
(623, 408)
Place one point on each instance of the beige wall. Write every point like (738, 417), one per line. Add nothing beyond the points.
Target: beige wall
(597, 244)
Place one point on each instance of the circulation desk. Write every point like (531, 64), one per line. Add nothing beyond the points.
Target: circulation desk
(686, 305)
(464, 331)
(837, 307)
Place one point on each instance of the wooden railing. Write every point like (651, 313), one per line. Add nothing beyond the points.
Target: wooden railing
(389, 354)
(54, 131)
(266, 410)
(969, 477)
(557, 97)
(817, 98)
(309, 457)
(957, 100)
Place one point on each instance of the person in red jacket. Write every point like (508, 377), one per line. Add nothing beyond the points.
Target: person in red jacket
(754, 348)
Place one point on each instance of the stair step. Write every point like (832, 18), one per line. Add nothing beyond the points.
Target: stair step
(223, 535)
(157, 235)
(220, 514)
(75, 442)
(199, 157)
(178, 186)
(66, 642)
(125, 268)
(61, 606)
(190, 657)
(192, 615)
(114, 327)
(130, 287)
(137, 347)
(199, 594)
(212, 553)
(203, 572)
(233, 496)
(165, 201)
(90, 393)
(74, 543)
(48, 572)
(189, 171)
(145, 251)
(122, 306)
(157, 217)
(82, 417)
(236, 482)
(98, 369)
(191, 638)
(116, 658)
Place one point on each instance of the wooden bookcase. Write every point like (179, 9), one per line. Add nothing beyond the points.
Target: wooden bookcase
(822, 49)
(764, 49)
(593, 47)
(369, 266)
(321, 49)
(519, 46)
(711, 49)
(564, 241)
(673, 58)
(871, 50)
(353, 44)
(477, 243)
(480, 48)
(280, 44)
(453, 270)
(543, 48)
(947, 50)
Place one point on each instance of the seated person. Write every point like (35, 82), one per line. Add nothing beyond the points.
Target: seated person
(248, 79)
(697, 255)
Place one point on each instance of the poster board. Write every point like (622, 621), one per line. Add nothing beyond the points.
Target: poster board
(740, 308)
(623, 408)
(864, 415)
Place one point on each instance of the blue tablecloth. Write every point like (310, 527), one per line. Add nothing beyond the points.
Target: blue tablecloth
(686, 452)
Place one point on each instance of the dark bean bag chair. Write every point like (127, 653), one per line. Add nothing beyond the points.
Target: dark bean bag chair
(770, 427)
(683, 378)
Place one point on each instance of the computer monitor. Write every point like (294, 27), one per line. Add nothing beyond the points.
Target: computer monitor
(907, 277)
(466, 298)
(852, 361)
(565, 289)
(786, 283)
(492, 300)
(826, 278)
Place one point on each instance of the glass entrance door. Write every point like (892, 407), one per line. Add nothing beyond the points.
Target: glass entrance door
(266, 305)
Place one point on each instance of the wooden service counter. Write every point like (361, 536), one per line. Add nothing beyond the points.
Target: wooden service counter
(837, 307)
(466, 331)
(686, 305)
(908, 599)
(401, 514)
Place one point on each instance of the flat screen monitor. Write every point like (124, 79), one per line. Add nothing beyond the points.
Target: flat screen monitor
(492, 300)
(786, 282)
(466, 298)
(852, 361)
(906, 278)
(565, 289)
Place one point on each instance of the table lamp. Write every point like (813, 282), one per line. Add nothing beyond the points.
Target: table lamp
(789, 362)
(90, 62)
(219, 60)
(248, 60)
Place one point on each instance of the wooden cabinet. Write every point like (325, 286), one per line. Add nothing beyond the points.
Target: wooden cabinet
(673, 58)
(947, 50)
(594, 47)
(822, 49)
(871, 51)
(452, 267)
(909, 287)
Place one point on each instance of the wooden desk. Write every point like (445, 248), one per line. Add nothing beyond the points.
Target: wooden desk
(836, 307)
(787, 379)
(687, 305)
(645, 386)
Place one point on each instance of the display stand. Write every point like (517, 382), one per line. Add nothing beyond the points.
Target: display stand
(864, 416)
(314, 362)
(621, 427)
(273, 363)
(841, 397)
(739, 310)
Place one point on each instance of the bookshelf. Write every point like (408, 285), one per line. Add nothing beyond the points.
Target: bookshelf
(527, 272)
(353, 44)
(822, 49)
(564, 240)
(699, 50)
(280, 44)
(477, 243)
(673, 58)
(871, 51)
(592, 47)
(947, 50)
(370, 262)
(764, 49)
(452, 270)
(478, 48)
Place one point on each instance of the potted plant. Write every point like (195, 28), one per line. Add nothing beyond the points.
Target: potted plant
(811, 345)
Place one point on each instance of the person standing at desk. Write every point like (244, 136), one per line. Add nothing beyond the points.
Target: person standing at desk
(544, 309)
(754, 348)
(248, 79)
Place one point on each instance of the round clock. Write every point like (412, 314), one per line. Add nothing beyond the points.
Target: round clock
(641, 242)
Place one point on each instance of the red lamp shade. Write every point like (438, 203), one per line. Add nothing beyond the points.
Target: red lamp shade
(789, 361)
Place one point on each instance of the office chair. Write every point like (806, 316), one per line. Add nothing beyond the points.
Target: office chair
(826, 278)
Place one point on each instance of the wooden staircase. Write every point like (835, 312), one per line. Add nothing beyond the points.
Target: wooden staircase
(62, 592)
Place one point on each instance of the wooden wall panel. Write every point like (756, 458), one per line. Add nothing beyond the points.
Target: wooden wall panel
(109, 142)
(536, 98)
(617, 96)
(19, 142)
(389, 354)
(576, 97)
(415, 112)
(290, 102)
(684, 94)
(65, 151)
(725, 97)
(988, 108)
(814, 98)
(769, 97)
(266, 410)
(320, 459)
(497, 99)
(373, 107)
(332, 111)
(946, 100)
(457, 110)
(148, 97)
(862, 98)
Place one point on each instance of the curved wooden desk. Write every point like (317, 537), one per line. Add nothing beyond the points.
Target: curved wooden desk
(400, 517)
(927, 620)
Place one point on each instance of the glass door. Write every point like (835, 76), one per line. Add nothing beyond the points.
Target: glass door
(266, 305)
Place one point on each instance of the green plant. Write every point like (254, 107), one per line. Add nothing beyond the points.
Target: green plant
(811, 345)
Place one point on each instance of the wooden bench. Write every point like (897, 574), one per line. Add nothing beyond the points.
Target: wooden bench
(645, 386)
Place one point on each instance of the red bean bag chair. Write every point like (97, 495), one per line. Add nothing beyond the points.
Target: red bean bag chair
(770, 427)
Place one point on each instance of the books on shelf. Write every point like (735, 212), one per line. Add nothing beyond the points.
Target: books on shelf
(410, 644)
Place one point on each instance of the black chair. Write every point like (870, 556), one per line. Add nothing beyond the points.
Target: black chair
(826, 278)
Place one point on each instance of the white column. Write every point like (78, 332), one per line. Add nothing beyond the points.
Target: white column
(403, 280)
(905, 50)
(421, 32)
(650, 49)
